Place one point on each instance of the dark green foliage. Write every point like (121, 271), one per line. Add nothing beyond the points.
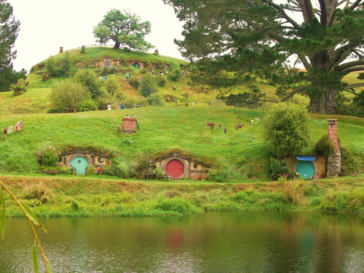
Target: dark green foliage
(134, 81)
(75, 206)
(113, 170)
(155, 100)
(51, 66)
(278, 167)
(217, 175)
(175, 204)
(161, 80)
(125, 29)
(8, 76)
(174, 75)
(19, 88)
(148, 86)
(351, 161)
(90, 82)
(145, 71)
(324, 146)
(90, 170)
(112, 70)
(66, 63)
(250, 39)
(105, 71)
(83, 49)
(286, 129)
(87, 105)
(45, 77)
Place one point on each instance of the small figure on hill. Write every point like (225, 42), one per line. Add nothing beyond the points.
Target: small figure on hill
(160, 72)
(109, 106)
(127, 76)
(174, 88)
(100, 78)
(187, 73)
(167, 72)
(105, 78)
(122, 106)
(153, 72)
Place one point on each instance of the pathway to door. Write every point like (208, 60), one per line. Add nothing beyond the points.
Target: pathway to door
(175, 168)
(80, 164)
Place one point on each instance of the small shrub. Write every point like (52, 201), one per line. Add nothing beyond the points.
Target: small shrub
(112, 85)
(145, 71)
(161, 80)
(155, 100)
(105, 71)
(90, 170)
(87, 105)
(65, 170)
(324, 146)
(119, 130)
(175, 204)
(293, 193)
(48, 155)
(175, 75)
(45, 77)
(83, 49)
(112, 170)
(129, 103)
(148, 86)
(134, 82)
(19, 88)
(38, 192)
(67, 94)
(217, 176)
(127, 140)
(75, 206)
(277, 168)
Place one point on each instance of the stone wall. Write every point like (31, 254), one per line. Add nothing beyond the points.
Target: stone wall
(334, 159)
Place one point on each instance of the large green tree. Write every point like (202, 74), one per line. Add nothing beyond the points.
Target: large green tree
(125, 29)
(259, 37)
(9, 28)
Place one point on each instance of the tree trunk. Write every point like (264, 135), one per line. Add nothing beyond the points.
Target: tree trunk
(317, 105)
(329, 102)
(117, 45)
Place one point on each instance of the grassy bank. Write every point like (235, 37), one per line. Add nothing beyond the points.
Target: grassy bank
(54, 197)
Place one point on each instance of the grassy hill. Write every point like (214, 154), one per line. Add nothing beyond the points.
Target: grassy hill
(162, 129)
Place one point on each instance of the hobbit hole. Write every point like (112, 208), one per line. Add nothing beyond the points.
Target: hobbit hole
(79, 160)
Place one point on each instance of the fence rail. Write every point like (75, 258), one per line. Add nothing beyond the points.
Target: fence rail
(94, 45)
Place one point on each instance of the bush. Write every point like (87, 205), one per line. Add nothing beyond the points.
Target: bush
(145, 71)
(50, 66)
(155, 100)
(83, 49)
(67, 94)
(112, 170)
(217, 176)
(65, 170)
(90, 82)
(45, 77)
(112, 70)
(278, 167)
(324, 146)
(48, 155)
(112, 85)
(134, 82)
(175, 75)
(66, 62)
(90, 170)
(286, 129)
(148, 86)
(38, 192)
(105, 71)
(19, 88)
(75, 206)
(175, 204)
(129, 103)
(161, 80)
(87, 105)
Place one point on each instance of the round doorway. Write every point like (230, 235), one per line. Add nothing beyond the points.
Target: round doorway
(136, 65)
(175, 168)
(80, 164)
(306, 169)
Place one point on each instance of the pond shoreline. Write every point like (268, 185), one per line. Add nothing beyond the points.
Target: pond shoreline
(91, 197)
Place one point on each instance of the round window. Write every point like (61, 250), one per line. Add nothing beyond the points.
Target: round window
(195, 166)
(60, 159)
(101, 159)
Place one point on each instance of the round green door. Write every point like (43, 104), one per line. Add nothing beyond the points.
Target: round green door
(80, 164)
(135, 65)
(306, 169)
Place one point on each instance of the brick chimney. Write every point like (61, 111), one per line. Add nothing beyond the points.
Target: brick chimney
(334, 159)
(61, 49)
(129, 125)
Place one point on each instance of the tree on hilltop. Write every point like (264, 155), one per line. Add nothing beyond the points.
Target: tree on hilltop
(125, 29)
(9, 28)
(257, 38)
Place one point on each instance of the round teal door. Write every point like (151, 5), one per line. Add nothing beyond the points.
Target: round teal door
(306, 169)
(80, 164)
(135, 65)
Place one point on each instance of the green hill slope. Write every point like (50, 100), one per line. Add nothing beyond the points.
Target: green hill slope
(162, 129)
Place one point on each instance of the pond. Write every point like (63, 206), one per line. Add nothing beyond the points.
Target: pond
(211, 242)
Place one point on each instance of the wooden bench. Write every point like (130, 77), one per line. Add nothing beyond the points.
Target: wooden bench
(70, 110)
(136, 106)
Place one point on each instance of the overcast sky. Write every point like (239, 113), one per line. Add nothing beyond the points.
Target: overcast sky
(47, 25)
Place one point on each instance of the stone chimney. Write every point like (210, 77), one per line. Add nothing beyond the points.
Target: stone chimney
(129, 125)
(61, 49)
(334, 159)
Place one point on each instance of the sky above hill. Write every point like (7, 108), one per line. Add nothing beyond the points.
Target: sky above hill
(46, 25)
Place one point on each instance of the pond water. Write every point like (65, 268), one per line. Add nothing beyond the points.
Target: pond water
(211, 242)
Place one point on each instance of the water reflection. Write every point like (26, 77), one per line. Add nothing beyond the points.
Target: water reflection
(211, 242)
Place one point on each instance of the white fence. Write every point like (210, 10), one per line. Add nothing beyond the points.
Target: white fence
(94, 45)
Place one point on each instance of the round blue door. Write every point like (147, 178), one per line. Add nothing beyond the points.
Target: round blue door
(80, 164)
(135, 65)
(306, 169)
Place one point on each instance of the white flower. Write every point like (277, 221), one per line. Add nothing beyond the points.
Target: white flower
(252, 121)
(255, 123)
